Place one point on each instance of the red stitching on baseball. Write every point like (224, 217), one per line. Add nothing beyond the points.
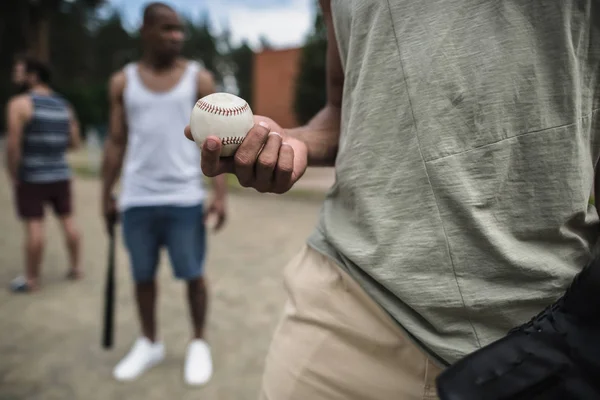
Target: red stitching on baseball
(213, 109)
(232, 140)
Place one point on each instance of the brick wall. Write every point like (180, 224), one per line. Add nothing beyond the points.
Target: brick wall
(275, 73)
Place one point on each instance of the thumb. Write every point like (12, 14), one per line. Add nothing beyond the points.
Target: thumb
(188, 133)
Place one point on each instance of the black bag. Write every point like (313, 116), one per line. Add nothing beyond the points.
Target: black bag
(555, 356)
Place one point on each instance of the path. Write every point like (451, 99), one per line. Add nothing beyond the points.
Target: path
(50, 341)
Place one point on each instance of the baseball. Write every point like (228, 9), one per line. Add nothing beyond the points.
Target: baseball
(224, 115)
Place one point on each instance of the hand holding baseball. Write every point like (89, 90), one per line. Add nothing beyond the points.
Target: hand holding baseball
(267, 160)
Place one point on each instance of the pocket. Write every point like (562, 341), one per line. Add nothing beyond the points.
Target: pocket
(290, 271)
(431, 374)
(314, 285)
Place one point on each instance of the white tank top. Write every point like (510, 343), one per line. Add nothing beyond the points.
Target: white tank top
(161, 166)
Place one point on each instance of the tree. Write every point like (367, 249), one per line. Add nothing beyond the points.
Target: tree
(85, 47)
(29, 26)
(265, 44)
(35, 17)
(201, 45)
(237, 64)
(242, 59)
(113, 47)
(69, 43)
(311, 92)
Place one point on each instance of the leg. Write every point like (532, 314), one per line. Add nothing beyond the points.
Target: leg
(197, 292)
(334, 342)
(61, 201)
(73, 241)
(34, 248)
(145, 295)
(30, 207)
(198, 303)
(185, 239)
(186, 242)
(142, 233)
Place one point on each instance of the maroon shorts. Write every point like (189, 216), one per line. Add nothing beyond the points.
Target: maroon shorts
(32, 198)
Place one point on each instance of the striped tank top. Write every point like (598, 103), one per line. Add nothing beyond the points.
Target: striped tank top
(45, 141)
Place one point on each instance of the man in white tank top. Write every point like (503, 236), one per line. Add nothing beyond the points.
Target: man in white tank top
(162, 196)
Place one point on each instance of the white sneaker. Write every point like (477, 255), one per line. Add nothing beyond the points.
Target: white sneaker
(198, 363)
(143, 355)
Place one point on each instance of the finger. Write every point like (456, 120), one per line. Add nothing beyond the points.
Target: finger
(188, 133)
(220, 222)
(267, 161)
(210, 157)
(284, 170)
(210, 161)
(246, 155)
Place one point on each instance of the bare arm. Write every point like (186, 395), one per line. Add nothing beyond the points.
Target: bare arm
(116, 142)
(206, 86)
(74, 130)
(272, 159)
(321, 134)
(18, 111)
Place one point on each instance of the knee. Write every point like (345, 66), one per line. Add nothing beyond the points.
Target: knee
(35, 241)
(197, 284)
(70, 230)
(145, 284)
(73, 236)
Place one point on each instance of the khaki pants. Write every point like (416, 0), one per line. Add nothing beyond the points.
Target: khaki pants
(335, 342)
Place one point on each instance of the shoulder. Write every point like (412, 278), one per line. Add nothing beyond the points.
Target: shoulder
(19, 103)
(118, 78)
(117, 83)
(198, 68)
(204, 75)
(20, 107)
(205, 82)
(205, 79)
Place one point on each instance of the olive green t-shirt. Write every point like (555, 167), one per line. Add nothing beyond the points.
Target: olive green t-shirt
(468, 143)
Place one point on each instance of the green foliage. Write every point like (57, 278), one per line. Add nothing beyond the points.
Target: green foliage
(202, 45)
(85, 50)
(311, 85)
(83, 59)
(113, 47)
(89, 102)
(69, 40)
(242, 59)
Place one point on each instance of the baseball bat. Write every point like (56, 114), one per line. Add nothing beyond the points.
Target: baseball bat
(109, 291)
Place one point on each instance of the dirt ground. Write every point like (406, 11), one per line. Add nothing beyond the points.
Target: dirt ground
(50, 341)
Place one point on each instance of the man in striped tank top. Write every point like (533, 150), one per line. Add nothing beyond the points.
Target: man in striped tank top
(42, 126)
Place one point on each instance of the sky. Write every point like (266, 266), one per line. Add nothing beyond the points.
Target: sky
(284, 23)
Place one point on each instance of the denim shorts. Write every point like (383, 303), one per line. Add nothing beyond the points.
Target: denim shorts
(181, 230)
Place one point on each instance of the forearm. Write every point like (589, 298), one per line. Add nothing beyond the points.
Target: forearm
(13, 160)
(321, 136)
(219, 186)
(114, 153)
